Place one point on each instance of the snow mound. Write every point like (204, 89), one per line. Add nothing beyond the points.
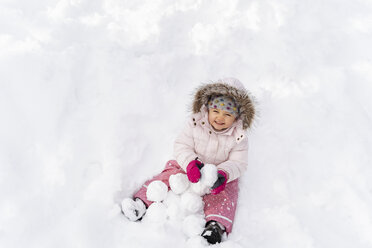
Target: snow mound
(156, 212)
(193, 225)
(192, 202)
(174, 209)
(197, 241)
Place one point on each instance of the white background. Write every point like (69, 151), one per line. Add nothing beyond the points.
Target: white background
(93, 94)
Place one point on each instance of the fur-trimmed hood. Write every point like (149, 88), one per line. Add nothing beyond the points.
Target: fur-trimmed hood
(230, 87)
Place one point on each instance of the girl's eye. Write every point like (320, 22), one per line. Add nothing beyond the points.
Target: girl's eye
(215, 111)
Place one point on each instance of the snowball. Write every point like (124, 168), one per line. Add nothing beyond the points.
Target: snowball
(179, 183)
(171, 199)
(192, 202)
(173, 212)
(209, 175)
(199, 188)
(157, 191)
(193, 225)
(197, 241)
(208, 178)
(156, 212)
(177, 212)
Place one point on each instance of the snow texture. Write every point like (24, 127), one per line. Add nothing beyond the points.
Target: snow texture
(205, 183)
(174, 209)
(157, 191)
(179, 183)
(209, 172)
(192, 202)
(94, 93)
(156, 212)
(197, 242)
(193, 225)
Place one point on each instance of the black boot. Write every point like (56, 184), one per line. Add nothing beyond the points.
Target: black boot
(213, 232)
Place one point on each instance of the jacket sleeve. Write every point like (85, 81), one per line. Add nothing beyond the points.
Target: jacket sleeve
(237, 161)
(183, 149)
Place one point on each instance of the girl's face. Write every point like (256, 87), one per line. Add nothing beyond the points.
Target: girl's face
(220, 119)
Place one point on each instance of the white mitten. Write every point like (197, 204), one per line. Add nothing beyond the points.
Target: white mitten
(133, 210)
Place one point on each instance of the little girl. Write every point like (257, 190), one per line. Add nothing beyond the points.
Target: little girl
(214, 134)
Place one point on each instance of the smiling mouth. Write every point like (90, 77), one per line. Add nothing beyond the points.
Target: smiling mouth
(219, 123)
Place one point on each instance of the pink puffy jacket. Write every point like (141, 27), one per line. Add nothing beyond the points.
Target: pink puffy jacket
(228, 150)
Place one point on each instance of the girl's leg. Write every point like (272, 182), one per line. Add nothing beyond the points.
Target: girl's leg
(222, 207)
(171, 168)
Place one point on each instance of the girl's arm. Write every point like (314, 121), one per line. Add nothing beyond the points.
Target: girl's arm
(237, 161)
(184, 146)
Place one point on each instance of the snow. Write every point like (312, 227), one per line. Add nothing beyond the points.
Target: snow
(193, 225)
(179, 183)
(157, 191)
(93, 94)
(180, 205)
(209, 172)
(197, 242)
(174, 209)
(192, 202)
(156, 212)
(203, 186)
(129, 208)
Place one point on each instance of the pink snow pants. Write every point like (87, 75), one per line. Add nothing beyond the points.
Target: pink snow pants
(220, 207)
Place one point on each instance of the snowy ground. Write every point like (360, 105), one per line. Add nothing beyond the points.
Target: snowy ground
(93, 93)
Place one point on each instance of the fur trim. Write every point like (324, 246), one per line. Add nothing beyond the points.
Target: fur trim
(241, 96)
